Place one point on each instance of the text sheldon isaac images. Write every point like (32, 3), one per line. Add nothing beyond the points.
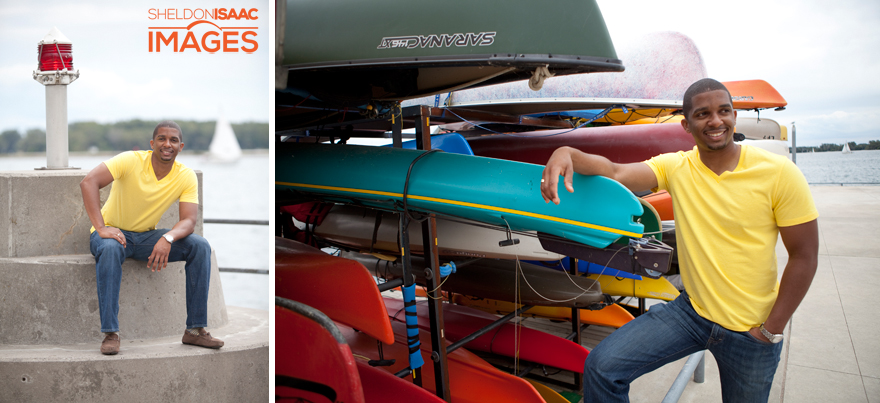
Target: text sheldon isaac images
(203, 32)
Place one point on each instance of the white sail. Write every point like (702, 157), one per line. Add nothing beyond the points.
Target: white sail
(846, 149)
(224, 146)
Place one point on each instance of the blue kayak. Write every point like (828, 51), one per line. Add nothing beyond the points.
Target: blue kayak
(488, 190)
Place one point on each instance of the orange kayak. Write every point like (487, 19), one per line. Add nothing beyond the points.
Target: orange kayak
(754, 94)
(471, 379)
(662, 202)
(611, 316)
(341, 288)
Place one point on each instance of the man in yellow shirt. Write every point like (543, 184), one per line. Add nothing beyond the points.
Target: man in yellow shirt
(731, 203)
(145, 184)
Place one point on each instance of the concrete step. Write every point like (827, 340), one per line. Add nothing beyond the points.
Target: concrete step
(146, 370)
(53, 299)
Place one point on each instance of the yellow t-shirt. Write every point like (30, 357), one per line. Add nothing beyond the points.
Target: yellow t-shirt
(726, 229)
(137, 200)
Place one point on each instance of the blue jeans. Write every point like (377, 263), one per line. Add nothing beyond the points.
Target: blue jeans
(671, 331)
(109, 256)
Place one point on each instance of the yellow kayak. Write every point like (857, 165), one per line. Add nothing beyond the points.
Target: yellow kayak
(659, 288)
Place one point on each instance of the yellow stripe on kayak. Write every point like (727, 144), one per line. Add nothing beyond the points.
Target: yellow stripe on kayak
(466, 204)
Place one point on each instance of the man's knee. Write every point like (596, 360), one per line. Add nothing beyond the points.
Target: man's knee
(198, 243)
(107, 248)
(596, 362)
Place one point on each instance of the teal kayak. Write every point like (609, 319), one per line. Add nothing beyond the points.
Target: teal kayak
(488, 190)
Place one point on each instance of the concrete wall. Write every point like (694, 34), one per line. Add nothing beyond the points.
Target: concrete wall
(42, 213)
(48, 293)
(213, 376)
(54, 300)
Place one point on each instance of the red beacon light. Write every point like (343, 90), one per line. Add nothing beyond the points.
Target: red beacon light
(55, 59)
(55, 52)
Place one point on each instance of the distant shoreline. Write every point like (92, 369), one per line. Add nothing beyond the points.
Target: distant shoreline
(253, 151)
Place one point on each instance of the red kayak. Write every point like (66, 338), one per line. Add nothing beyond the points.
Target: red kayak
(471, 379)
(620, 144)
(382, 387)
(312, 365)
(341, 288)
(534, 345)
(312, 360)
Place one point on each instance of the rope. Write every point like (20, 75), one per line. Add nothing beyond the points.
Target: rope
(406, 186)
(586, 122)
(537, 81)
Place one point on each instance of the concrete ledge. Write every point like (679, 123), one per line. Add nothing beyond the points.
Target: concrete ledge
(42, 213)
(154, 370)
(54, 300)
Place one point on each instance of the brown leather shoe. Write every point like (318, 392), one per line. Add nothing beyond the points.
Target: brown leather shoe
(110, 345)
(204, 339)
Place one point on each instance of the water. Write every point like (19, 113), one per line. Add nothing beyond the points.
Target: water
(835, 167)
(241, 190)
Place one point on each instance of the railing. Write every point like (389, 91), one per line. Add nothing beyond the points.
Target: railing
(696, 364)
(238, 222)
(845, 183)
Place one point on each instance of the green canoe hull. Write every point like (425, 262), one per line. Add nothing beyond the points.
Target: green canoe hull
(390, 50)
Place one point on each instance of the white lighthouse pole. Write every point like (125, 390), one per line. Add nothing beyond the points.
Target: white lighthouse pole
(55, 72)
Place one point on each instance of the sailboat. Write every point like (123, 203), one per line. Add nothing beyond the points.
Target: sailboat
(224, 145)
(846, 149)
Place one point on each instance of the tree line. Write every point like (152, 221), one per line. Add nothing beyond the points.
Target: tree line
(870, 145)
(132, 135)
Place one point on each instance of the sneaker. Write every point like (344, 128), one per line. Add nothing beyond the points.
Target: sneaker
(110, 345)
(204, 339)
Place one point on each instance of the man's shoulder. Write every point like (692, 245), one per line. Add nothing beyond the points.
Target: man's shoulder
(184, 172)
(182, 168)
(761, 153)
(675, 156)
(125, 162)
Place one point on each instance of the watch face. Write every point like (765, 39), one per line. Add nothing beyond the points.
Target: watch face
(774, 338)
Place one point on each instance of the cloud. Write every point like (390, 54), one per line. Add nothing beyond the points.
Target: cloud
(14, 74)
(842, 122)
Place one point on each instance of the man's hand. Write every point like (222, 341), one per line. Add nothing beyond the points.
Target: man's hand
(112, 233)
(756, 333)
(159, 255)
(559, 164)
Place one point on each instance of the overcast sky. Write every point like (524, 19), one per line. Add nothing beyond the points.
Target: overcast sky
(119, 78)
(824, 58)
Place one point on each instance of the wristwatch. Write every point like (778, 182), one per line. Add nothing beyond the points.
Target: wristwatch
(774, 338)
(170, 239)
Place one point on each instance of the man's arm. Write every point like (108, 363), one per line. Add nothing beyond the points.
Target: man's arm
(95, 180)
(802, 243)
(566, 161)
(184, 227)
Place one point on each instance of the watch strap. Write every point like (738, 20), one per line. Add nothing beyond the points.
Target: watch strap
(774, 338)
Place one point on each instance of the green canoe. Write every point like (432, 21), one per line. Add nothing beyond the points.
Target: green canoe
(387, 50)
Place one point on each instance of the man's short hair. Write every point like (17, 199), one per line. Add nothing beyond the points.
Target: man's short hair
(699, 87)
(170, 124)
